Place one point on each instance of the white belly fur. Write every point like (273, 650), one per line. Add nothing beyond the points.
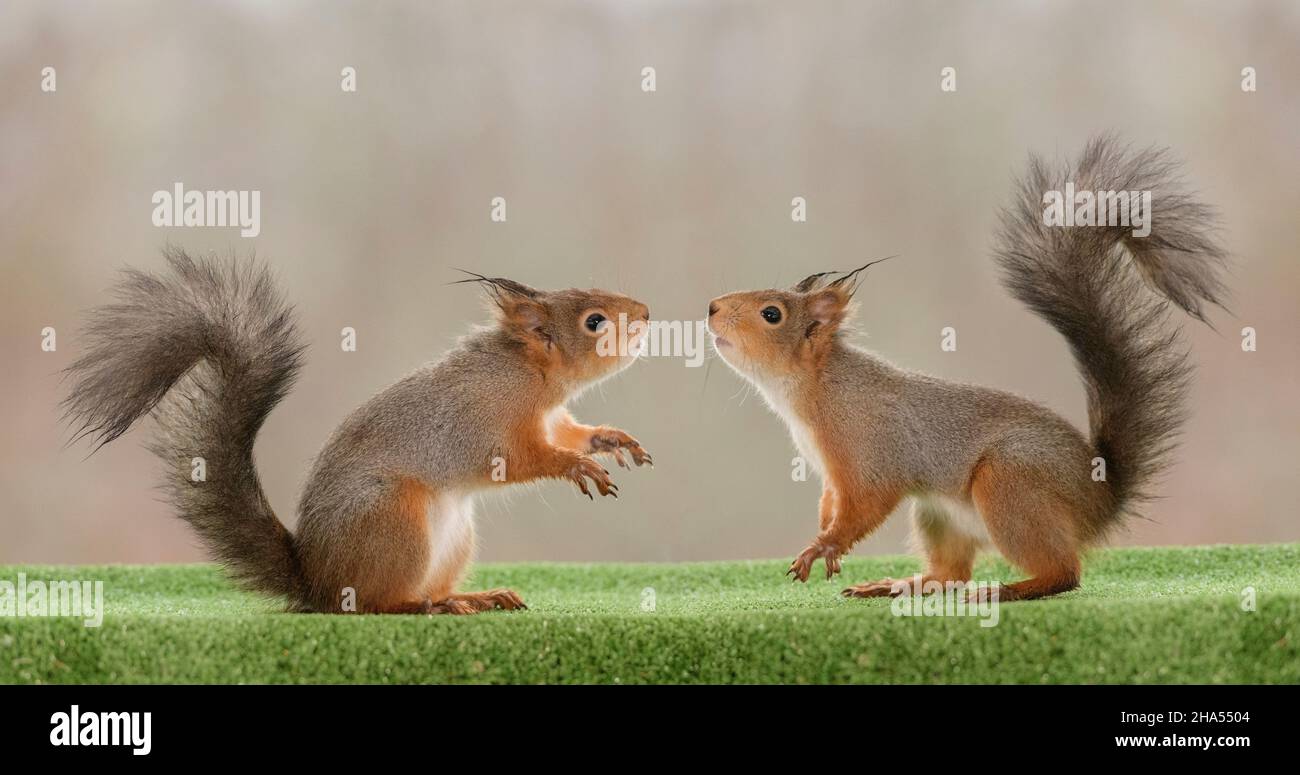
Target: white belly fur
(449, 520)
(551, 419)
(800, 433)
(960, 516)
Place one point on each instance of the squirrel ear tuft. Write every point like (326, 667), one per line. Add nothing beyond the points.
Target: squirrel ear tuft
(849, 279)
(498, 286)
(516, 304)
(810, 282)
(849, 282)
(829, 307)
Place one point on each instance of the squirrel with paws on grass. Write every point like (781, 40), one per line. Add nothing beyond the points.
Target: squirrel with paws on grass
(983, 466)
(210, 347)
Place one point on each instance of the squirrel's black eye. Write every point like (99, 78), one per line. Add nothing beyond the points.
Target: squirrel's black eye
(594, 320)
(771, 315)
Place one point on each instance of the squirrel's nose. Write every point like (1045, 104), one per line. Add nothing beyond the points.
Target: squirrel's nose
(642, 312)
(713, 308)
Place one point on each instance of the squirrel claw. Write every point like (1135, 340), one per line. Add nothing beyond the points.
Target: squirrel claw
(585, 468)
(832, 567)
(799, 569)
(802, 565)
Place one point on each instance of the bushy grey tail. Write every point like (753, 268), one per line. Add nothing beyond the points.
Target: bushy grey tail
(1082, 280)
(209, 348)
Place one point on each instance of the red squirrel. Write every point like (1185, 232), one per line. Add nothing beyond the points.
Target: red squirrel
(981, 466)
(386, 518)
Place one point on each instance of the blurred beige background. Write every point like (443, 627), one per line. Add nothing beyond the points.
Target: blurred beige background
(369, 198)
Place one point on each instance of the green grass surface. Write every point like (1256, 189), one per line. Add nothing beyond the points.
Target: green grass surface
(1143, 615)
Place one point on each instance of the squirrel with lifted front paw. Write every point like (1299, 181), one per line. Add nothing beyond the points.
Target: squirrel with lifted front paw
(983, 466)
(209, 348)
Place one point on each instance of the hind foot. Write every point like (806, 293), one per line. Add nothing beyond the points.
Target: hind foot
(913, 585)
(880, 588)
(475, 602)
(460, 604)
(1029, 589)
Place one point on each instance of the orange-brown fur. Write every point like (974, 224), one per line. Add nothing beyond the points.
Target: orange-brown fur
(1026, 519)
(543, 442)
(386, 516)
(983, 466)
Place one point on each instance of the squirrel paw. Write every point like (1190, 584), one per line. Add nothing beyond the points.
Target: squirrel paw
(881, 588)
(452, 606)
(475, 602)
(505, 599)
(493, 599)
(615, 442)
(997, 593)
(802, 564)
(585, 468)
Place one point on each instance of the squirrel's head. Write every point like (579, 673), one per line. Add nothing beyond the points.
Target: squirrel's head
(781, 332)
(576, 336)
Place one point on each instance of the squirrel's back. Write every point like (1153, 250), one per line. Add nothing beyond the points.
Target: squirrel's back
(443, 422)
(933, 431)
